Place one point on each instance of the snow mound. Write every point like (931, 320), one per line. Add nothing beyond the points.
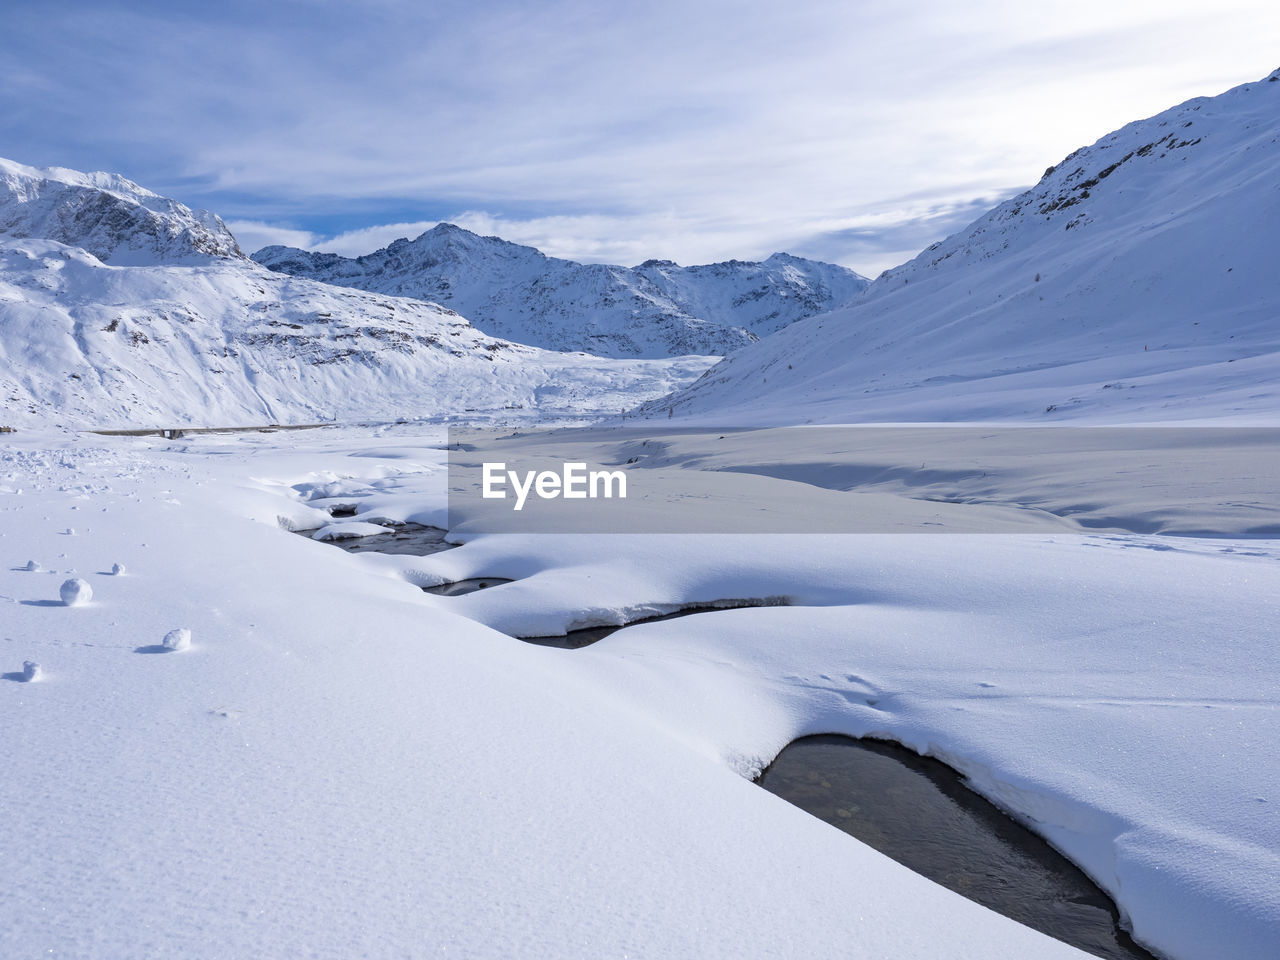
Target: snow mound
(179, 639)
(349, 530)
(75, 592)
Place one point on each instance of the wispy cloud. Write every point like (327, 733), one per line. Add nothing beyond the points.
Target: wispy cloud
(254, 235)
(708, 130)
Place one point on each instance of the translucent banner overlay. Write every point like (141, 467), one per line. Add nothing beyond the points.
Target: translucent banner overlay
(1187, 481)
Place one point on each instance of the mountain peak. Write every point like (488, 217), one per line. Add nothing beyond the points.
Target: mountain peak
(108, 215)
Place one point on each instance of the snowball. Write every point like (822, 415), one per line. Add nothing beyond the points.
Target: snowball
(178, 639)
(32, 566)
(30, 671)
(75, 592)
(71, 532)
(117, 569)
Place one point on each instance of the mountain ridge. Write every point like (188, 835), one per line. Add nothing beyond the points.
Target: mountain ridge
(110, 216)
(658, 308)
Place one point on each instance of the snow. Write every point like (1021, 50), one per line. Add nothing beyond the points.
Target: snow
(658, 309)
(75, 592)
(122, 309)
(346, 766)
(112, 218)
(177, 639)
(1123, 287)
(553, 803)
(226, 342)
(348, 531)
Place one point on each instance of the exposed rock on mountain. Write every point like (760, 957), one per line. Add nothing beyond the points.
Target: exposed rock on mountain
(112, 218)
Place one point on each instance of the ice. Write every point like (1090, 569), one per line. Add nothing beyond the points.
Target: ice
(348, 530)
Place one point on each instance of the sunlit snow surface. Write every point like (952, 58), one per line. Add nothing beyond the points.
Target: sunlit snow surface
(341, 765)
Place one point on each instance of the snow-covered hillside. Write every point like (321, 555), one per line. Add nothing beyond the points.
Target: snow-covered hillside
(193, 332)
(113, 218)
(1136, 280)
(227, 342)
(657, 309)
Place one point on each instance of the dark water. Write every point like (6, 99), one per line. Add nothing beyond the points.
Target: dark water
(411, 539)
(460, 588)
(918, 811)
(575, 639)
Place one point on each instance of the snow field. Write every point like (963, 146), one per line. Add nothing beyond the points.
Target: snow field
(360, 771)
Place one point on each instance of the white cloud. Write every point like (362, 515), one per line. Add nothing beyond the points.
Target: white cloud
(868, 242)
(611, 132)
(353, 243)
(255, 234)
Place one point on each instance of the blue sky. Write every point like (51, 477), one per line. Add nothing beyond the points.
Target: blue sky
(696, 130)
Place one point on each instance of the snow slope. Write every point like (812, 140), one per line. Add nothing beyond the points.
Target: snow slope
(1136, 280)
(657, 309)
(112, 218)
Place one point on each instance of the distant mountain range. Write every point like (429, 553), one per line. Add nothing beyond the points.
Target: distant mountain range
(657, 309)
(121, 308)
(1138, 280)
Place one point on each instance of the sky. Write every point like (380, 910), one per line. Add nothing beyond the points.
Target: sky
(690, 130)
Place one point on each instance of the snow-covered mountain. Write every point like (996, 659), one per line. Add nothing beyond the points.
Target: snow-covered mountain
(193, 332)
(657, 309)
(1136, 280)
(112, 218)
